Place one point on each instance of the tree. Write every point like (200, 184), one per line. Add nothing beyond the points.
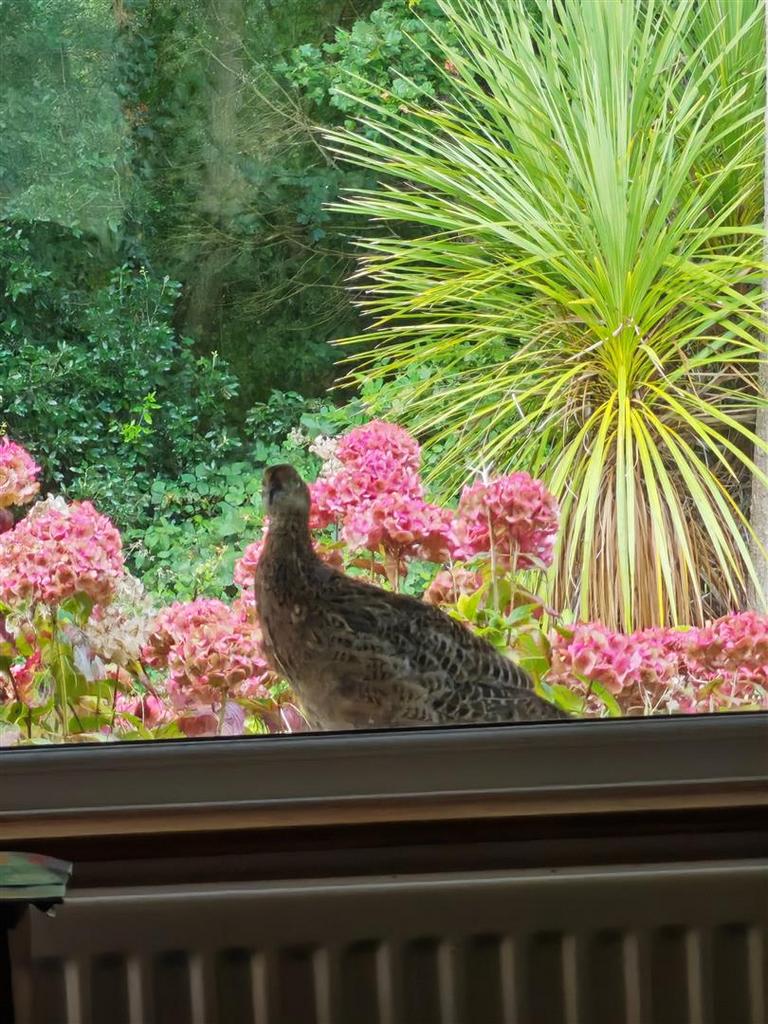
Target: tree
(759, 510)
(225, 192)
(584, 296)
(235, 184)
(64, 144)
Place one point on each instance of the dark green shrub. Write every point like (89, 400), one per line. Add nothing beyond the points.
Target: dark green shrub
(93, 378)
(388, 57)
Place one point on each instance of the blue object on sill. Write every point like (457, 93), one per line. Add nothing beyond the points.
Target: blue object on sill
(32, 878)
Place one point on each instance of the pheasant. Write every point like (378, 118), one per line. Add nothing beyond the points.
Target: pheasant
(358, 656)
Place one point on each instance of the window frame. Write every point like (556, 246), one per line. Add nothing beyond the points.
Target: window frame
(377, 778)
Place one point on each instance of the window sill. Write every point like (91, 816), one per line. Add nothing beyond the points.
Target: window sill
(633, 766)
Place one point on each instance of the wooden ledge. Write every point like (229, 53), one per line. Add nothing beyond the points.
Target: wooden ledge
(560, 769)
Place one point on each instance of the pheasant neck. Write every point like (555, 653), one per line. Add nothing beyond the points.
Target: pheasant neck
(289, 535)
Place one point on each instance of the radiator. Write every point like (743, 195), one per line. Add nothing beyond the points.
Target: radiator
(675, 944)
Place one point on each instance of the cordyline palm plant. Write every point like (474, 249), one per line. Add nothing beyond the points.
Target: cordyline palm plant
(586, 285)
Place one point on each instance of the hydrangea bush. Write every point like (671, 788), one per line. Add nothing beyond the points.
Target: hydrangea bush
(57, 551)
(18, 474)
(85, 655)
(18, 480)
(721, 666)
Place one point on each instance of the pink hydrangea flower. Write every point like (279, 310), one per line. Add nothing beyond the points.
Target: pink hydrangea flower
(199, 722)
(18, 472)
(662, 653)
(209, 649)
(648, 660)
(147, 707)
(59, 550)
(245, 566)
(515, 513)
(291, 719)
(24, 676)
(181, 619)
(213, 662)
(254, 688)
(596, 653)
(331, 498)
(385, 439)
(450, 584)
(719, 666)
(734, 645)
(370, 462)
(404, 527)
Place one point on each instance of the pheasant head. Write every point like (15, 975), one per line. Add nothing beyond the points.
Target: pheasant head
(286, 502)
(284, 494)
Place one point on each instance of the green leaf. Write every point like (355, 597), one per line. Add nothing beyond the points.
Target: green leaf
(609, 701)
(468, 605)
(564, 698)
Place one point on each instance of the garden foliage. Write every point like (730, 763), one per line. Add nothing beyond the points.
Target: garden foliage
(560, 206)
(96, 379)
(86, 655)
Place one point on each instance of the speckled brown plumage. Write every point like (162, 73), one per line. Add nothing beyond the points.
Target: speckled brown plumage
(358, 656)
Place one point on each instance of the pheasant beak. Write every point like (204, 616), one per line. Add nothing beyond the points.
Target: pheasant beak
(270, 487)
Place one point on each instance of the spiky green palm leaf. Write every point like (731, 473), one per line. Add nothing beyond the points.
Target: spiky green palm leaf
(586, 288)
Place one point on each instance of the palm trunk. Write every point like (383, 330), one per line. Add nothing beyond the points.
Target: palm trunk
(223, 191)
(757, 596)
